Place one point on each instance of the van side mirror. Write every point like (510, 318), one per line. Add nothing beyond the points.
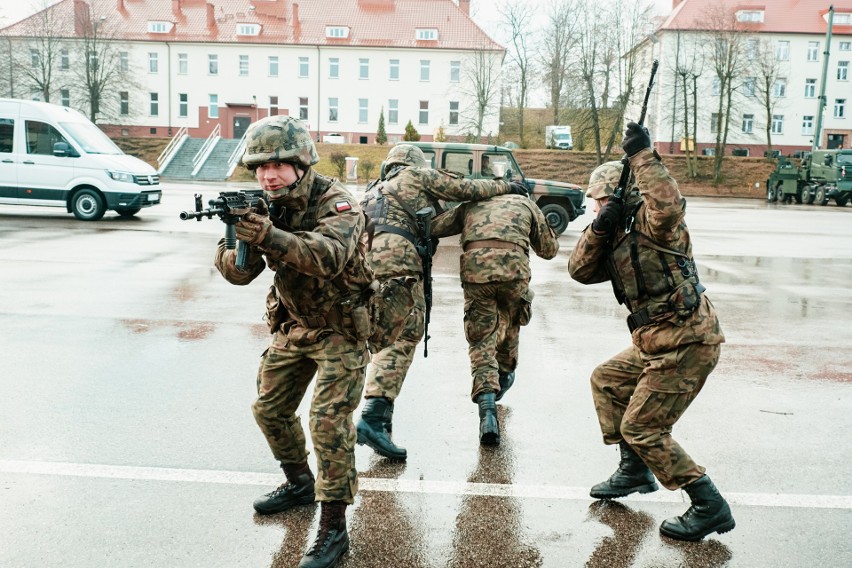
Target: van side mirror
(62, 150)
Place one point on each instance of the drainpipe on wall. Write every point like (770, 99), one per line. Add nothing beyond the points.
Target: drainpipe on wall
(169, 84)
(319, 98)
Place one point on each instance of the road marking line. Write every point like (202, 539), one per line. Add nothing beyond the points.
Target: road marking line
(406, 485)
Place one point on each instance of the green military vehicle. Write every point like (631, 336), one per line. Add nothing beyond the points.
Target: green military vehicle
(560, 202)
(822, 175)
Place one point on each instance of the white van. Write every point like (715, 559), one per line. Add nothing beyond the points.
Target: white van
(53, 155)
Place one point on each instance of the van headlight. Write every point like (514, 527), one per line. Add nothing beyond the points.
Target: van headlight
(121, 176)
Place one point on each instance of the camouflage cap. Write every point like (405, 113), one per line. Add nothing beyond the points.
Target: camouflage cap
(279, 139)
(604, 180)
(407, 155)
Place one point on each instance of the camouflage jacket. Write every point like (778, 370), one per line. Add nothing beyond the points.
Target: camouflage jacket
(653, 263)
(393, 255)
(508, 218)
(318, 269)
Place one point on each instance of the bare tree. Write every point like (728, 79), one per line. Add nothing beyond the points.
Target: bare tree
(39, 60)
(480, 83)
(769, 74)
(688, 68)
(517, 16)
(557, 40)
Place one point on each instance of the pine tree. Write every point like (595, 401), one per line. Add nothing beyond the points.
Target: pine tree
(381, 135)
(441, 134)
(411, 134)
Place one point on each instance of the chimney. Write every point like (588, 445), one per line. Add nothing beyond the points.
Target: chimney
(211, 18)
(295, 13)
(120, 5)
(82, 18)
(464, 6)
(675, 3)
(176, 6)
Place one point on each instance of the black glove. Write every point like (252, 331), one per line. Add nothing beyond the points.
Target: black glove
(636, 138)
(608, 218)
(519, 188)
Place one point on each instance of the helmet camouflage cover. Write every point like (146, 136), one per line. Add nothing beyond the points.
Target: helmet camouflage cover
(279, 139)
(406, 155)
(604, 180)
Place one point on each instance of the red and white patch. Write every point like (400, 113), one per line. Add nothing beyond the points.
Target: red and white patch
(342, 206)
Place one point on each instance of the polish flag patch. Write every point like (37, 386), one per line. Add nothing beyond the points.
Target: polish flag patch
(342, 206)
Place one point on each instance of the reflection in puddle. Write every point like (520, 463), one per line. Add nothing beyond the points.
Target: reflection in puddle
(186, 331)
(629, 529)
(297, 524)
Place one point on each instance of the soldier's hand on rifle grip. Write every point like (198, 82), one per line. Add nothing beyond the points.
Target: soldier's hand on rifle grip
(254, 227)
(636, 139)
(608, 218)
(519, 188)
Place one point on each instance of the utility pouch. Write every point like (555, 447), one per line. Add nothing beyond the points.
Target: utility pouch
(276, 313)
(525, 311)
(392, 305)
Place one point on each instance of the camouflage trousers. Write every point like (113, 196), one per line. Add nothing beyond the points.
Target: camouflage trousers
(389, 366)
(493, 314)
(285, 373)
(639, 397)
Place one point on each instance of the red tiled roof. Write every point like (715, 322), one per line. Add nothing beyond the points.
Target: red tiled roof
(372, 23)
(780, 16)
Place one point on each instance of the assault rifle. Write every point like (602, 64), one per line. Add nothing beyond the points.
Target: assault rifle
(620, 192)
(426, 249)
(230, 207)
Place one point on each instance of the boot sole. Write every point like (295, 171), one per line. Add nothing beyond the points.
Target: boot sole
(649, 488)
(333, 563)
(721, 528)
(363, 440)
(304, 501)
(490, 439)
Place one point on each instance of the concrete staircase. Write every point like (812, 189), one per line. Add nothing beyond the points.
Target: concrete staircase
(216, 166)
(180, 168)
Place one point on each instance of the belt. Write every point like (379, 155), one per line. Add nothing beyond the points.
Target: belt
(331, 320)
(493, 243)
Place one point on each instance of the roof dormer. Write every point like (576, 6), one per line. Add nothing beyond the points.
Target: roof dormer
(426, 34)
(244, 29)
(750, 16)
(337, 32)
(160, 27)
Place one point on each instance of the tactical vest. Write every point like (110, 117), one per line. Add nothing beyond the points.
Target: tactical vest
(376, 205)
(652, 279)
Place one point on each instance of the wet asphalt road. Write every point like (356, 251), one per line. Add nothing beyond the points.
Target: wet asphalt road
(127, 374)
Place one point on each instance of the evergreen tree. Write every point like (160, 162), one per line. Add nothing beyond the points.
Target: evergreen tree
(441, 134)
(411, 134)
(381, 135)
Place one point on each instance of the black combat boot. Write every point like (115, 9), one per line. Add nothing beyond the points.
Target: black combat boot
(631, 476)
(709, 513)
(489, 427)
(506, 382)
(332, 539)
(298, 490)
(373, 428)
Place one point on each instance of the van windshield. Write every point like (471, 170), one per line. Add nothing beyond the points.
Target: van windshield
(90, 138)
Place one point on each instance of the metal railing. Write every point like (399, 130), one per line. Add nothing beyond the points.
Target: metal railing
(205, 150)
(172, 148)
(235, 156)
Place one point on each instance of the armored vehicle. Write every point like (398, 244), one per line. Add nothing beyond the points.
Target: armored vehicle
(821, 176)
(560, 202)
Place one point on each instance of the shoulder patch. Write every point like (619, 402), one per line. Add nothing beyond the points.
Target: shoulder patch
(342, 206)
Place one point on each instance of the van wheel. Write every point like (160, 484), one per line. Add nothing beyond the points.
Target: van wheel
(556, 216)
(128, 212)
(88, 205)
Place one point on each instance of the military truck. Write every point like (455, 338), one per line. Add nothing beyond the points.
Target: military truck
(560, 202)
(821, 176)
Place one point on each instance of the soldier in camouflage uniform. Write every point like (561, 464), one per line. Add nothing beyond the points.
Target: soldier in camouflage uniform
(496, 237)
(407, 186)
(309, 236)
(642, 246)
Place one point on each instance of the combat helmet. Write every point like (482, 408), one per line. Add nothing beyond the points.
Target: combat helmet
(279, 139)
(604, 180)
(405, 155)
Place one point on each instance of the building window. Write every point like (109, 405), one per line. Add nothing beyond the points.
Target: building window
(213, 64)
(272, 65)
(424, 112)
(332, 109)
(333, 68)
(717, 86)
(362, 111)
(124, 103)
(810, 88)
(159, 27)
(64, 60)
(393, 111)
(777, 123)
(244, 65)
(303, 67)
(841, 19)
(213, 107)
(363, 68)
(454, 112)
(337, 32)
(750, 16)
(93, 60)
(782, 50)
(394, 70)
(845, 45)
(153, 63)
(842, 70)
(424, 69)
(248, 29)
(813, 51)
(751, 48)
(183, 105)
(34, 58)
(714, 123)
(183, 64)
(455, 71)
(426, 34)
(748, 123)
(839, 108)
(779, 89)
(749, 86)
(65, 97)
(124, 61)
(155, 104)
(808, 125)
(303, 108)
(273, 106)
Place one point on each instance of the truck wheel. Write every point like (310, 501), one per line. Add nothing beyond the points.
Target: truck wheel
(771, 193)
(841, 201)
(88, 205)
(819, 196)
(807, 195)
(801, 195)
(557, 217)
